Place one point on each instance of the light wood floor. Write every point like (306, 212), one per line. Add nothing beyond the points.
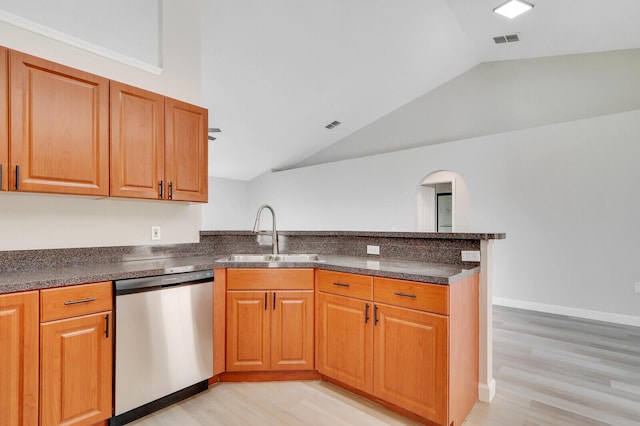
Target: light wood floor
(549, 370)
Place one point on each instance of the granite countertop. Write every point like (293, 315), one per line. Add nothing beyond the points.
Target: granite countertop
(437, 273)
(88, 273)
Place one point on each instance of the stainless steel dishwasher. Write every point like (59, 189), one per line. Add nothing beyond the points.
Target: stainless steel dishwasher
(164, 341)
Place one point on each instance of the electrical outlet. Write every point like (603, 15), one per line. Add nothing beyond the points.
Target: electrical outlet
(155, 233)
(470, 256)
(373, 250)
(638, 287)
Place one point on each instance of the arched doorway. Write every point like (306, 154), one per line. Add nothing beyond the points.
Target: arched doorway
(443, 203)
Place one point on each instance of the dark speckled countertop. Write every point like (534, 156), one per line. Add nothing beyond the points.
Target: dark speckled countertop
(437, 273)
(88, 273)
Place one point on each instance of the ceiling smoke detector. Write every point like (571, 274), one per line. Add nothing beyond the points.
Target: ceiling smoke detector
(332, 125)
(509, 38)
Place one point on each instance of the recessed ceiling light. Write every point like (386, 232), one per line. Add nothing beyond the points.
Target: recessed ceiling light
(513, 8)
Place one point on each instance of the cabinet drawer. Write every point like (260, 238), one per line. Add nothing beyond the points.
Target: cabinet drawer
(345, 284)
(73, 301)
(422, 296)
(269, 279)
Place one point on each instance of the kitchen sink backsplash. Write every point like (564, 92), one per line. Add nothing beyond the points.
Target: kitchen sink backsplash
(423, 247)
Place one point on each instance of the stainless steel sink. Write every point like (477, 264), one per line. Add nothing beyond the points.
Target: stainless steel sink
(272, 258)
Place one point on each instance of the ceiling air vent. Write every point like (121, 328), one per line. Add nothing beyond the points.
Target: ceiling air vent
(213, 130)
(509, 38)
(332, 125)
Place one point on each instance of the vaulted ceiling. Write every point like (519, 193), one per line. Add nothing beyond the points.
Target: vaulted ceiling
(275, 73)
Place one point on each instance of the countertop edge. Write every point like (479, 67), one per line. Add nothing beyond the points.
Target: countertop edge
(416, 235)
(27, 281)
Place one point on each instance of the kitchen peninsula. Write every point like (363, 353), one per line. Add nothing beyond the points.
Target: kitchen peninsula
(408, 257)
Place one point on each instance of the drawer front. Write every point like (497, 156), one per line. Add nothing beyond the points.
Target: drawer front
(269, 279)
(73, 301)
(409, 294)
(345, 284)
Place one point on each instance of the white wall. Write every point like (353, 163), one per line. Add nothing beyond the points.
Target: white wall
(40, 221)
(228, 206)
(565, 194)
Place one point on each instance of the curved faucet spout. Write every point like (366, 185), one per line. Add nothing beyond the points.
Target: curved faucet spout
(274, 233)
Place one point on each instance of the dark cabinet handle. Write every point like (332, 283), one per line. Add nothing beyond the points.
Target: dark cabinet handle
(341, 284)
(171, 190)
(75, 302)
(106, 323)
(366, 313)
(399, 293)
(0, 176)
(265, 301)
(375, 314)
(17, 178)
(161, 186)
(274, 300)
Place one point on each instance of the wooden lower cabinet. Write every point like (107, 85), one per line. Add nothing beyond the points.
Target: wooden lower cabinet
(248, 331)
(345, 340)
(269, 330)
(396, 350)
(410, 358)
(19, 324)
(76, 354)
(292, 340)
(270, 319)
(76, 370)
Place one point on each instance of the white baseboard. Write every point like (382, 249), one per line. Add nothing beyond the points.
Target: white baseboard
(568, 311)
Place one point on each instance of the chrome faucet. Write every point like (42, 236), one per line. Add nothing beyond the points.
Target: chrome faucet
(274, 233)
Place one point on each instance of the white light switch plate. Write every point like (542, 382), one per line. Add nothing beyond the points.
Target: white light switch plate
(470, 256)
(373, 250)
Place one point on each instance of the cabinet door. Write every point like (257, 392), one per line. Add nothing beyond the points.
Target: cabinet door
(19, 359)
(75, 370)
(292, 330)
(4, 125)
(186, 151)
(345, 340)
(59, 128)
(410, 359)
(137, 142)
(248, 331)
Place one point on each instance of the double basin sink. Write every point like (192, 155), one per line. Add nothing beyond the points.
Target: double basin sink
(272, 258)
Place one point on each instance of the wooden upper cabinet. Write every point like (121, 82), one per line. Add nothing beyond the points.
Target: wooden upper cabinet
(19, 359)
(4, 117)
(137, 142)
(59, 129)
(186, 151)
